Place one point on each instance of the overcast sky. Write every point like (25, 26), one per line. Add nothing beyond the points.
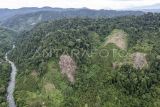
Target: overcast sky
(93, 4)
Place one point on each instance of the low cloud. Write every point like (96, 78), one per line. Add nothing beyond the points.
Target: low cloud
(93, 4)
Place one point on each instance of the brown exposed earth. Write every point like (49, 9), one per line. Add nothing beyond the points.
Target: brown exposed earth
(68, 67)
(139, 60)
(118, 37)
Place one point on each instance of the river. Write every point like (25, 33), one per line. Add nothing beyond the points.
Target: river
(11, 85)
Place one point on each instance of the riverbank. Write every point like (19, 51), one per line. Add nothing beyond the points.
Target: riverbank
(12, 82)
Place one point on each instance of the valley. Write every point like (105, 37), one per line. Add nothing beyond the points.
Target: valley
(6, 40)
(12, 82)
(91, 58)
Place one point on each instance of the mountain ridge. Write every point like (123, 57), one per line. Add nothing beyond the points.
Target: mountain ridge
(155, 8)
(20, 19)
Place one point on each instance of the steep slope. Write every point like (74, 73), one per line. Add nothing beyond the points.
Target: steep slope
(41, 81)
(5, 69)
(6, 41)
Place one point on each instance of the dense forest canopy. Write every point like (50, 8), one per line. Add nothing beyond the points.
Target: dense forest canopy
(4, 78)
(129, 77)
(6, 41)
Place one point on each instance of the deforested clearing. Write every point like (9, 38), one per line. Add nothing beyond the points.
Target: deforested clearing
(139, 60)
(68, 67)
(119, 38)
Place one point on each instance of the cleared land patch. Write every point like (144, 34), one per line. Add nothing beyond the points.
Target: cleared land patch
(119, 38)
(68, 67)
(139, 60)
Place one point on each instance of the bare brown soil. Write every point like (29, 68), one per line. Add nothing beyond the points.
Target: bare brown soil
(118, 38)
(68, 67)
(139, 60)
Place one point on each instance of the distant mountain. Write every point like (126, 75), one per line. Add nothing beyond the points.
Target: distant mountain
(155, 6)
(150, 8)
(7, 13)
(24, 18)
